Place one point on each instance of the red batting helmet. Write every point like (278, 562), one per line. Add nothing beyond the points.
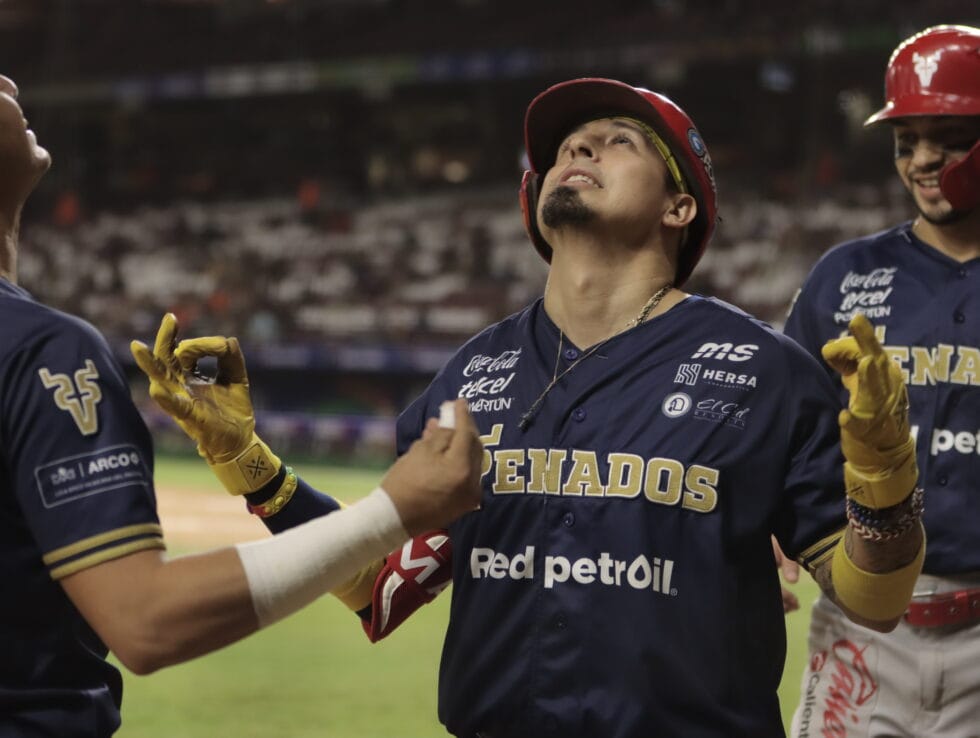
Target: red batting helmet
(553, 113)
(934, 72)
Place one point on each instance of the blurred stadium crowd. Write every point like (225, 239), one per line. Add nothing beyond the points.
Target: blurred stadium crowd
(335, 181)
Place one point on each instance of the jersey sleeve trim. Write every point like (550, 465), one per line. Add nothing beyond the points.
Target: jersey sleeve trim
(820, 552)
(103, 547)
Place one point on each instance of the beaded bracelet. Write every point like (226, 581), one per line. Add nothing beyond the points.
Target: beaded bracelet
(279, 499)
(888, 524)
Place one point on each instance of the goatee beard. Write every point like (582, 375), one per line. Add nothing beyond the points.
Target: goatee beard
(564, 207)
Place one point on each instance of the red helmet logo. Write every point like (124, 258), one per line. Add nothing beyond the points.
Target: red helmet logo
(934, 72)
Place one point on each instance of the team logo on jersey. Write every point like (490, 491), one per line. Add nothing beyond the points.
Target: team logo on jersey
(79, 395)
(74, 477)
(490, 364)
(687, 374)
(729, 351)
(722, 411)
(480, 390)
(926, 65)
(690, 374)
(866, 293)
(650, 573)
(676, 404)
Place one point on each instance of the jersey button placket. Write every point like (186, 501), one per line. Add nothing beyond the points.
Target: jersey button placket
(568, 520)
(570, 354)
(959, 317)
(579, 414)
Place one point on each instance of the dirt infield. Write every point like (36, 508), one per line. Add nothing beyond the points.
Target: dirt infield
(195, 520)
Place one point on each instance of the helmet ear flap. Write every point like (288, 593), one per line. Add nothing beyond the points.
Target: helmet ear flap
(960, 181)
(530, 187)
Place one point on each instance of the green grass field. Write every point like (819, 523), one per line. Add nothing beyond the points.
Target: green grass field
(315, 674)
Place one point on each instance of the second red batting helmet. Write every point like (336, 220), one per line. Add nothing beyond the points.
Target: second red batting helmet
(557, 110)
(934, 72)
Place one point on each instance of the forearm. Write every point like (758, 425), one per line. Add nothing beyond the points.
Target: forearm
(872, 580)
(153, 612)
(199, 603)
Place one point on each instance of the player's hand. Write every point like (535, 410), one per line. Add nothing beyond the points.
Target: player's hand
(217, 413)
(791, 575)
(438, 479)
(879, 451)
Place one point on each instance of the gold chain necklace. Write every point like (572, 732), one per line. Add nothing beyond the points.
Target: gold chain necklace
(652, 303)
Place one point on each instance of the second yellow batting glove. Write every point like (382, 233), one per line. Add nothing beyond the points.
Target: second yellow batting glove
(217, 414)
(880, 468)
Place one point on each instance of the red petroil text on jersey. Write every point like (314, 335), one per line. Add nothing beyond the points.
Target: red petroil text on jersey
(643, 572)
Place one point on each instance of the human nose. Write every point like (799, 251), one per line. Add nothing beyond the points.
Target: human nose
(579, 144)
(7, 85)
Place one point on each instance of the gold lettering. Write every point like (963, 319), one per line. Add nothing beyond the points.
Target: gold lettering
(701, 494)
(584, 476)
(632, 466)
(663, 481)
(508, 479)
(967, 369)
(900, 355)
(930, 365)
(545, 474)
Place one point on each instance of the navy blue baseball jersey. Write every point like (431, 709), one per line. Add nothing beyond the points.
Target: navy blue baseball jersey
(619, 580)
(926, 310)
(75, 491)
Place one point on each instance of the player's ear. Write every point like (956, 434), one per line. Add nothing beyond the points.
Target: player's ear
(681, 210)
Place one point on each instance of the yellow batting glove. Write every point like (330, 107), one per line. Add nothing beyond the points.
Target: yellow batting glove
(880, 468)
(217, 414)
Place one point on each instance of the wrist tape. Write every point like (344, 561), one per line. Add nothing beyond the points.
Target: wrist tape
(879, 597)
(290, 570)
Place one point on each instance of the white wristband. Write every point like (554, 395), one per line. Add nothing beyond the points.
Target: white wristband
(288, 571)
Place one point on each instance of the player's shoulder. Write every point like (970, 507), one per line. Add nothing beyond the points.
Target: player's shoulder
(866, 253)
(712, 321)
(505, 332)
(29, 324)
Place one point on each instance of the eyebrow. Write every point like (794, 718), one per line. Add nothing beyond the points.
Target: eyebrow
(616, 122)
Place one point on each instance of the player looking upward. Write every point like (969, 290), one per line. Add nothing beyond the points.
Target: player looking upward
(920, 282)
(641, 445)
(82, 568)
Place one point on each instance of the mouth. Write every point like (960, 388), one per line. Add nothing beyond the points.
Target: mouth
(579, 179)
(928, 187)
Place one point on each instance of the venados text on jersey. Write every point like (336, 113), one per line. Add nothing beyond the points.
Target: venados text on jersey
(644, 573)
(661, 480)
(926, 365)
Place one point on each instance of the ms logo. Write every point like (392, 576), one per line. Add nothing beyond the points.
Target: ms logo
(78, 397)
(926, 66)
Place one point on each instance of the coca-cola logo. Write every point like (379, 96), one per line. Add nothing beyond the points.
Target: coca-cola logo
(881, 277)
(490, 364)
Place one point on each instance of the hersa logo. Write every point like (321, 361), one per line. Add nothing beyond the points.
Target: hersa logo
(79, 396)
(723, 351)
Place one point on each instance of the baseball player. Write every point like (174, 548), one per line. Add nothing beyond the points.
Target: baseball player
(82, 569)
(920, 283)
(640, 446)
